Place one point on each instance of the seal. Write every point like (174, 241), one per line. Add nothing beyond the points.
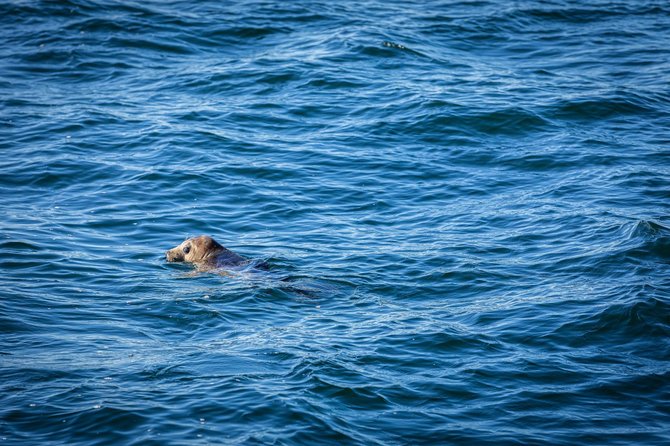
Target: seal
(205, 253)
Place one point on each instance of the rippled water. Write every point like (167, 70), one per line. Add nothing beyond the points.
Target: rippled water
(464, 207)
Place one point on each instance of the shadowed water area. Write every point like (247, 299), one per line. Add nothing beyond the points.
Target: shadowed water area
(462, 206)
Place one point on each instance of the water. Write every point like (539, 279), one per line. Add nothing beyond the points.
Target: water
(474, 195)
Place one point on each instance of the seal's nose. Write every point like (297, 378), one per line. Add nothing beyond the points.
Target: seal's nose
(174, 255)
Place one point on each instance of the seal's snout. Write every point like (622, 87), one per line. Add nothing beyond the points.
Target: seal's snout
(170, 256)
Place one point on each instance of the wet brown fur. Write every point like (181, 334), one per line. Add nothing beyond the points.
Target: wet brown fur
(204, 252)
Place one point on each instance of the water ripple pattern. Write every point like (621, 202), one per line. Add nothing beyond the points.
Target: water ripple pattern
(463, 206)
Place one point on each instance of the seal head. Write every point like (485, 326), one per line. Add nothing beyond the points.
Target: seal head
(204, 252)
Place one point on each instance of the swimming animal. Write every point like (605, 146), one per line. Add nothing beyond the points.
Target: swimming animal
(205, 253)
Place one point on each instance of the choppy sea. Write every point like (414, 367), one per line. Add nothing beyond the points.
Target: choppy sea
(464, 207)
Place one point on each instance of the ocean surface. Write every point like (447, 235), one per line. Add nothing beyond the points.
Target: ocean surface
(463, 206)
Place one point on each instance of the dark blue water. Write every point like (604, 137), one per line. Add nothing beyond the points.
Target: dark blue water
(464, 208)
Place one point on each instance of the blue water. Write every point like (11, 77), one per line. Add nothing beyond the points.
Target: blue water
(464, 207)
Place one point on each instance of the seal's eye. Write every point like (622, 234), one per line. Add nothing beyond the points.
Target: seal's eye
(186, 249)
